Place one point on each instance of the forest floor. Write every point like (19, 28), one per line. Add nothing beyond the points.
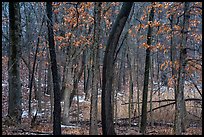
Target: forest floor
(45, 128)
(44, 125)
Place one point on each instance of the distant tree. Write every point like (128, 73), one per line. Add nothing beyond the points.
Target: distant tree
(180, 116)
(15, 97)
(108, 68)
(146, 75)
(56, 88)
(95, 71)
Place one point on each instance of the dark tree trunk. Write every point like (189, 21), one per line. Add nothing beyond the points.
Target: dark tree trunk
(95, 71)
(84, 58)
(180, 115)
(33, 71)
(57, 105)
(89, 74)
(108, 68)
(146, 76)
(15, 98)
(123, 63)
(121, 79)
(130, 106)
(88, 83)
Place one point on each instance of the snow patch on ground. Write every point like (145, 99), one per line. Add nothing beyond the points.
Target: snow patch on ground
(71, 126)
(47, 95)
(81, 98)
(120, 94)
(81, 115)
(40, 114)
(163, 89)
(25, 113)
(135, 124)
(171, 89)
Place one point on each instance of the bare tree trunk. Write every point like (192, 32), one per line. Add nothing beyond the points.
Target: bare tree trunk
(84, 61)
(116, 107)
(130, 106)
(89, 75)
(15, 97)
(50, 85)
(57, 105)
(39, 86)
(123, 69)
(77, 75)
(49, 77)
(146, 76)
(151, 92)
(95, 71)
(51, 93)
(138, 99)
(173, 52)
(158, 80)
(180, 119)
(66, 109)
(137, 81)
(108, 68)
(78, 109)
(67, 87)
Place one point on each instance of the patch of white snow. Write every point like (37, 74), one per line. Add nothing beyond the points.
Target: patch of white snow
(65, 126)
(81, 98)
(25, 114)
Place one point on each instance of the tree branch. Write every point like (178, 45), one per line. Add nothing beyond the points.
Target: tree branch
(167, 100)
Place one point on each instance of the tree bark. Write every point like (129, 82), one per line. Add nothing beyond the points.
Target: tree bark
(77, 76)
(39, 86)
(67, 87)
(50, 85)
(130, 106)
(88, 75)
(15, 97)
(108, 68)
(95, 71)
(151, 92)
(57, 105)
(146, 75)
(180, 116)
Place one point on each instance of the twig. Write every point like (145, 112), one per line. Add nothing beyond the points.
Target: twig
(195, 85)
